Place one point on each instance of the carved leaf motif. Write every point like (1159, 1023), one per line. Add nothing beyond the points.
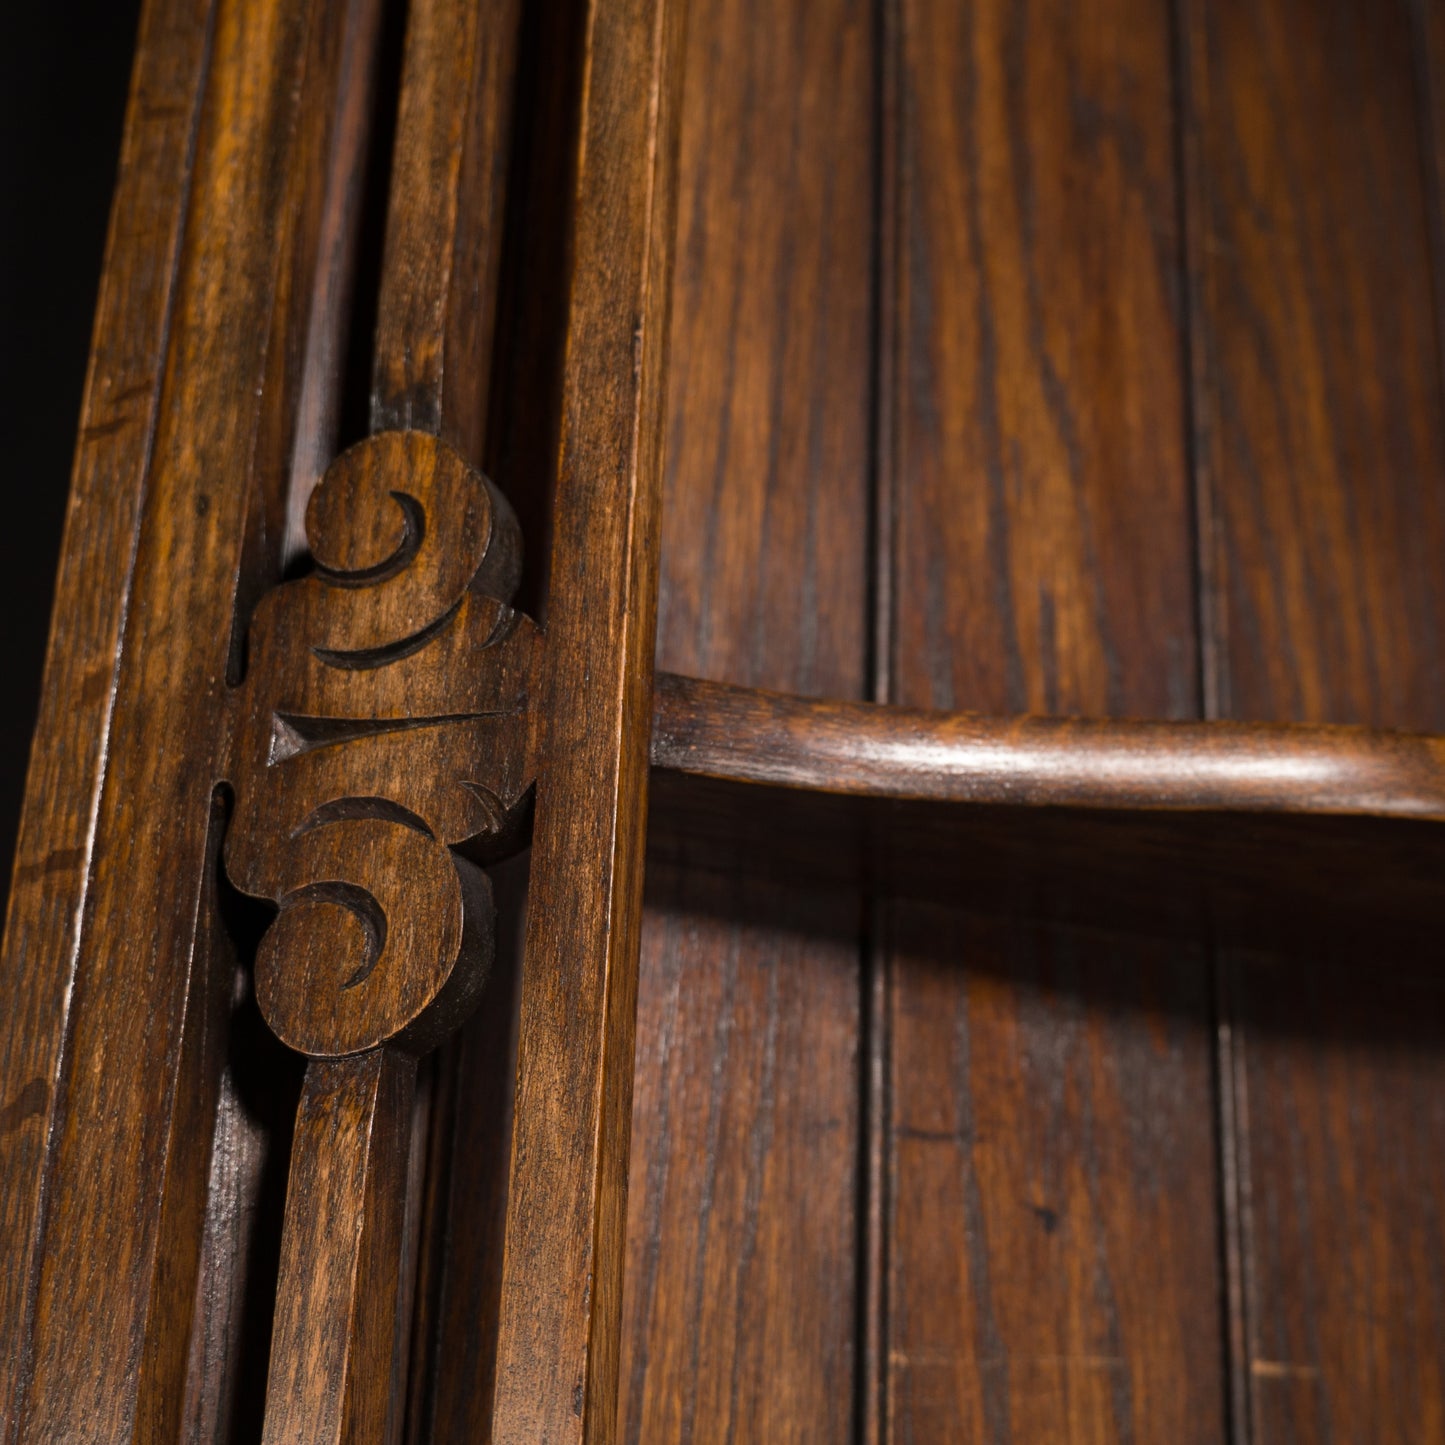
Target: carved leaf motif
(384, 742)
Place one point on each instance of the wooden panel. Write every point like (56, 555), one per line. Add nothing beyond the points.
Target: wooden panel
(1049, 1187)
(1340, 1078)
(740, 1284)
(1320, 382)
(738, 1312)
(1323, 483)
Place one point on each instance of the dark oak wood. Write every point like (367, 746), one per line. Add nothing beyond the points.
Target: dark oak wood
(433, 368)
(1067, 1068)
(383, 723)
(1175, 874)
(558, 1349)
(1283, 829)
(739, 1298)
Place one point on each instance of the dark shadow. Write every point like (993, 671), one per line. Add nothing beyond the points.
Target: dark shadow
(64, 70)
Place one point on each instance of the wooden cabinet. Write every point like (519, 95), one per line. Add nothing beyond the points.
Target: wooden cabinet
(744, 735)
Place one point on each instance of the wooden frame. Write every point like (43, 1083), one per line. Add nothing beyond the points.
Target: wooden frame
(212, 411)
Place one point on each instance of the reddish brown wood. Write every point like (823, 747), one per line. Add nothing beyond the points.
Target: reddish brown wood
(444, 222)
(738, 1313)
(433, 368)
(557, 1352)
(1050, 1186)
(746, 735)
(1321, 449)
(383, 721)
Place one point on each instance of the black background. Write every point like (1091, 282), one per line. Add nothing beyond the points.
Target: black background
(64, 72)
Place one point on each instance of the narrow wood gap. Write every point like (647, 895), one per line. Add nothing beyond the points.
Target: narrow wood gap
(874, 1213)
(1193, 215)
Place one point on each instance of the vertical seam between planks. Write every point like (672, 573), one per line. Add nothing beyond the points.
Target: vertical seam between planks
(870, 1368)
(1210, 703)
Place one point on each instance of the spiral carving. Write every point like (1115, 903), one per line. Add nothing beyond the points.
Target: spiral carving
(383, 748)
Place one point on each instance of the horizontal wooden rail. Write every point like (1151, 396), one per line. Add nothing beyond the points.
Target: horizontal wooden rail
(746, 735)
(1283, 830)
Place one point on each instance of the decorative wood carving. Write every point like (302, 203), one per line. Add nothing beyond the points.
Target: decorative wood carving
(382, 748)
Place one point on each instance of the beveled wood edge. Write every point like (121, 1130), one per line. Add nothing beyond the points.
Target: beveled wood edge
(749, 735)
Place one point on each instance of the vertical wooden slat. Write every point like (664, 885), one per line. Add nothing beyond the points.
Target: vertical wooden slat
(227, 1349)
(341, 1364)
(740, 1278)
(433, 359)
(557, 1354)
(1052, 1263)
(67, 763)
(433, 369)
(124, 1190)
(1322, 454)
(336, 1373)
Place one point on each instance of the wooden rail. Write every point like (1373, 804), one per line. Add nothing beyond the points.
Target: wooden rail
(745, 735)
(1176, 828)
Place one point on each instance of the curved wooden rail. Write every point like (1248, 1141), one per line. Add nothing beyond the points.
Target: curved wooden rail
(1286, 830)
(746, 735)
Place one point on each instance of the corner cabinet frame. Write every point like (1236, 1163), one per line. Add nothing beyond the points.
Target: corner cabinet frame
(289, 661)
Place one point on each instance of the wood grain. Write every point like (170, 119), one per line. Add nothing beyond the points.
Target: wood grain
(381, 746)
(372, 706)
(1321, 446)
(749, 735)
(123, 1212)
(68, 757)
(341, 1295)
(1042, 563)
(383, 722)
(558, 1347)
(433, 368)
(740, 1276)
(437, 310)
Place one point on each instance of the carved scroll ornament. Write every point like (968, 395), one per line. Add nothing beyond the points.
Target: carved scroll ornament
(382, 748)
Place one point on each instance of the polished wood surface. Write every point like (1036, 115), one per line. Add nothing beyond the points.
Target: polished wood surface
(1030, 477)
(747, 735)
(336, 1373)
(432, 367)
(1315, 254)
(558, 1349)
(738, 1316)
(1047, 1194)
(56, 843)
(110, 1299)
